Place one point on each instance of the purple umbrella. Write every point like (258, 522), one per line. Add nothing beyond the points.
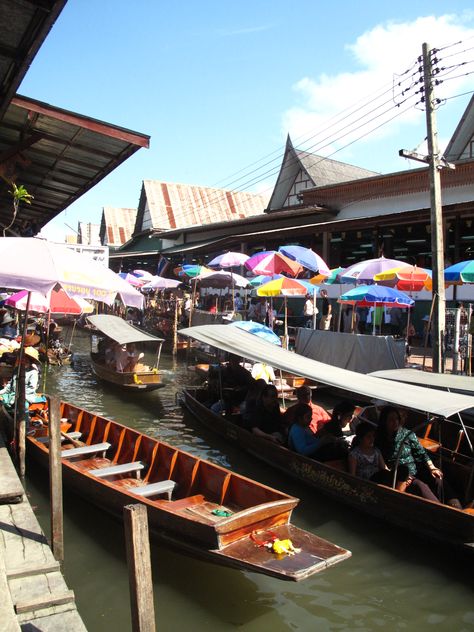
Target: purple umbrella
(229, 260)
(364, 271)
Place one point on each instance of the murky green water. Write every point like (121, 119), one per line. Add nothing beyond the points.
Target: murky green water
(392, 582)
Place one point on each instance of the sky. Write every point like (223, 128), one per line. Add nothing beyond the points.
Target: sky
(219, 85)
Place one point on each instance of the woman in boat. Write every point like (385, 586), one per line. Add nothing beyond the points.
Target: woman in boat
(338, 433)
(8, 392)
(266, 420)
(300, 438)
(252, 399)
(395, 441)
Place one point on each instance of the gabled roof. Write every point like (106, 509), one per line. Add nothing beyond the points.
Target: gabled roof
(165, 205)
(309, 170)
(459, 146)
(57, 155)
(117, 225)
(24, 27)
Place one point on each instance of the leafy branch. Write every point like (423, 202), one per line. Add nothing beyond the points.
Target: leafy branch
(19, 195)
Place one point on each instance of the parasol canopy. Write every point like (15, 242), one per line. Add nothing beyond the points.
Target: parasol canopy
(37, 265)
(221, 279)
(161, 283)
(376, 295)
(333, 278)
(364, 271)
(58, 302)
(272, 262)
(229, 260)
(262, 331)
(192, 270)
(143, 274)
(462, 272)
(132, 279)
(407, 278)
(306, 257)
(284, 286)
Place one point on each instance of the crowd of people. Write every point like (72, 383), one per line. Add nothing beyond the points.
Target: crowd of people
(385, 452)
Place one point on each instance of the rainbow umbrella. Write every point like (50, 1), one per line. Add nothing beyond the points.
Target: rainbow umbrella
(407, 278)
(306, 257)
(334, 277)
(263, 278)
(364, 271)
(192, 270)
(272, 262)
(462, 272)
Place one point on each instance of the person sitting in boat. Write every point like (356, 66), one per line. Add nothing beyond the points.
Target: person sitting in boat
(7, 326)
(365, 460)
(31, 362)
(237, 380)
(300, 437)
(396, 442)
(252, 399)
(319, 416)
(266, 421)
(338, 432)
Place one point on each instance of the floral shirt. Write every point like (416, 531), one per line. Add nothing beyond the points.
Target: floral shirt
(411, 453)
(366, 464)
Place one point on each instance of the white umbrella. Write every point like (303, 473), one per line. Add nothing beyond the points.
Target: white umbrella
(161, 283)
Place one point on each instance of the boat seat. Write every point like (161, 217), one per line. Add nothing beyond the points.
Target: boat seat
(71, 435)
(87, 449)
(429, 444)
(114, 470)
(153, 489)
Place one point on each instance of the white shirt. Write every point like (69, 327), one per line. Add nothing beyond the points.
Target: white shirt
(309, 309)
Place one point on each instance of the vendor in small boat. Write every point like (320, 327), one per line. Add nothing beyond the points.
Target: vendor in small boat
(266, 421)
(31, 362)
(395, 441)
(319, 415)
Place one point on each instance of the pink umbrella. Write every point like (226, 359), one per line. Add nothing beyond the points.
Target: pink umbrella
(37, 265)
(161, 283)
(229, 260)
(364, 271)
(58, 302)
(132, 279)
(272, 262)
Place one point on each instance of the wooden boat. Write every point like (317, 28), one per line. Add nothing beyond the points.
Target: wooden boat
(429, 519)
(193, 504)
(114, 330)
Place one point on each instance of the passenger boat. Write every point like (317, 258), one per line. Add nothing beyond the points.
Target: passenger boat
(193, 504)
(111, 330)
(453, 447)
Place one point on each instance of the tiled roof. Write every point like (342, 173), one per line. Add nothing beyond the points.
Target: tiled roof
(117, 225)
(326, 171)
(166, 205)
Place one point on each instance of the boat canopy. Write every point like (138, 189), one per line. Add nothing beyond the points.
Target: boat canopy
(244, 344)
(119, 330)
(446, 381)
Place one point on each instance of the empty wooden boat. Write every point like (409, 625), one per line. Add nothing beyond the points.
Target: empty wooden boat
(111, 335)
(193, 504)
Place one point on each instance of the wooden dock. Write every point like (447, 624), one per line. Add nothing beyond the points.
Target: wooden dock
(33, 592)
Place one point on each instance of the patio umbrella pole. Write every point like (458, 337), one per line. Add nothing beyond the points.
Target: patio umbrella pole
(314, 308)
(374, 318)
(20, 414)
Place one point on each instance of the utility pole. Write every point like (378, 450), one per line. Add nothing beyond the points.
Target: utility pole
(435, 164)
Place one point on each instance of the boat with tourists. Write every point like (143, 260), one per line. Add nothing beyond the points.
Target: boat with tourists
(435, 416)
(114, 356)
(194, 505)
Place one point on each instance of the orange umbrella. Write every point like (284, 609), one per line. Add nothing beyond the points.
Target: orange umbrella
(407, 278)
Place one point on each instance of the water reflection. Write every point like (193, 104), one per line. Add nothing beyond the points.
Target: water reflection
(392, 582)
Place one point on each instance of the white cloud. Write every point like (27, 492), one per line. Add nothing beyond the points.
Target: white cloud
(335, 110)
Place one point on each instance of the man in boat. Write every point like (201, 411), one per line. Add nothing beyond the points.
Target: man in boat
(236, 380)
(267, 420)
(319, 417)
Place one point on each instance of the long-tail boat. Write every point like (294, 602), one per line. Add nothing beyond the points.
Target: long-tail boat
(192, 504)
(436, 417)
(111, 330)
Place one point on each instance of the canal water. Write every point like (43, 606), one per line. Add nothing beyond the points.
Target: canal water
(393, 581)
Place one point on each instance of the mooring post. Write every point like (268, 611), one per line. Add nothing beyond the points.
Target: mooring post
(139, 568)
(55, 480)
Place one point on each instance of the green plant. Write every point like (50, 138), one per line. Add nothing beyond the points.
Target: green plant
(19, 194)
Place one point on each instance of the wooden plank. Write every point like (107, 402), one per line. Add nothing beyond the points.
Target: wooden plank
(44, 602)
(19, 573)
(8, 619)
(139, 565)
(55, 480)
(11, 489)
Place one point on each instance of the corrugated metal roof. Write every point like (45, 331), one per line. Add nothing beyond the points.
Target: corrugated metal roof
(117, 225)
(325, 171)
(169, 205)
(24, 26)
(57, 155)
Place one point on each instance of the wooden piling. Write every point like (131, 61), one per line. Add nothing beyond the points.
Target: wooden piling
(139, 568)
(175, 327)
(55, 480)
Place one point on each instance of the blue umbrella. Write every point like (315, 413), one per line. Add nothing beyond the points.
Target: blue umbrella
(262, 331)
(306, 257)
(376, 295)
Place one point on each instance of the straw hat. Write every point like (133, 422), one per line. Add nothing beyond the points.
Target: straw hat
(31, 340)
(32, 353)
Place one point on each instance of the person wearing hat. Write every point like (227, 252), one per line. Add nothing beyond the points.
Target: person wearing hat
(7, 393)
(7, 327)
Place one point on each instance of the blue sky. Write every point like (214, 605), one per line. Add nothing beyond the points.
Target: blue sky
(218, 85)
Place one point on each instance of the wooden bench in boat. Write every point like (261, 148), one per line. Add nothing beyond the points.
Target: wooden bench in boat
(115, 470)
(87, 449)
(154, 489)
(70, 435)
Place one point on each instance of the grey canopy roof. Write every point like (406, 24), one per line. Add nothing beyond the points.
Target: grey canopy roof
(119, 330)
(253, 348)
(447, 381)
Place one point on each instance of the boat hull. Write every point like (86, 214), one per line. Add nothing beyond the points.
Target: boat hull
(429, 519)
(132, 382)
(188, 520)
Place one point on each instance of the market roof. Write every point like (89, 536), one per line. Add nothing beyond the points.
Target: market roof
(119, 330)
(57, 155)
(24, 27)
(249, 346)
(117, 225)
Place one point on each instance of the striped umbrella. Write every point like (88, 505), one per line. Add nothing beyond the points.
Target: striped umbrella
(462, 272)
